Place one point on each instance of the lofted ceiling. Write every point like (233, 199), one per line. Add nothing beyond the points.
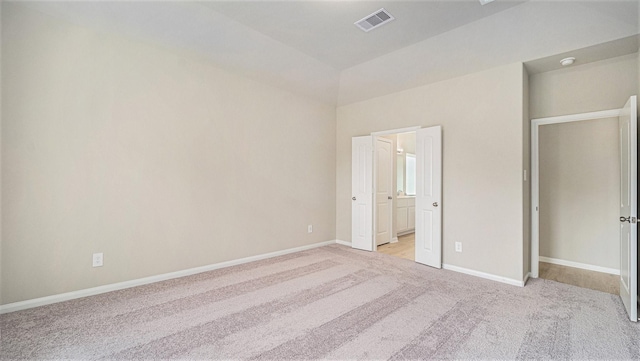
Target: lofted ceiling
(313, 48)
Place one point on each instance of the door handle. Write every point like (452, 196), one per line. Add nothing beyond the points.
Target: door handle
(435, 204)
(354, 198)
(628, 219)
(389, 197)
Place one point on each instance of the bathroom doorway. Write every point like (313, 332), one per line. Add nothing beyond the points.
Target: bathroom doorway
(402, 205)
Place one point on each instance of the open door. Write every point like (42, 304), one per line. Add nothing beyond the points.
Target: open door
(627, 123)
(429, 196)
(362, 193)
(384, 190)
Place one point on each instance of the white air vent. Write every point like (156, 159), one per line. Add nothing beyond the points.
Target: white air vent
(374, 20)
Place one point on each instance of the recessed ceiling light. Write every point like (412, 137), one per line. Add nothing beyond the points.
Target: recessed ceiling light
(485, 2)
(567, 61)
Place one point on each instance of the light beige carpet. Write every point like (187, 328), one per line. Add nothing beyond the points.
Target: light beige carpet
(328, 303)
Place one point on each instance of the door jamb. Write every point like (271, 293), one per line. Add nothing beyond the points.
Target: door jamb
(535, 175)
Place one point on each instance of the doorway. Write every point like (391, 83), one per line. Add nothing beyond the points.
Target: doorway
(579, 190)
(402, 171)
(427, 214)
(625, 204)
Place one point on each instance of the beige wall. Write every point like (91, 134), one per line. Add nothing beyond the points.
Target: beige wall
(584, 172)
(154, 157)
(481, 115)
(579, 192)
(585, 88)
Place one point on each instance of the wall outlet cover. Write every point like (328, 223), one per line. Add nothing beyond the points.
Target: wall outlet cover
(310, 228)
(458, 246)
(98, 259)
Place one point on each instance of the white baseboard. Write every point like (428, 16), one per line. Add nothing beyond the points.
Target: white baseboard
(344, 243)
(589, 267)
(484, 275)
(526, 278)
(36, 302)
(394, 240)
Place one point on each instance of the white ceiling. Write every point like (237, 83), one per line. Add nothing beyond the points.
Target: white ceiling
(325, 31)
(523, 33)
(610, 49)
(313, 48)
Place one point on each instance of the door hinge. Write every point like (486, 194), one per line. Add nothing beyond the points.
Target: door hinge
(634, 220)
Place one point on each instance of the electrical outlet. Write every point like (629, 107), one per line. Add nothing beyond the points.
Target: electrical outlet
(310, 228)
(458, 246)
(98, 259)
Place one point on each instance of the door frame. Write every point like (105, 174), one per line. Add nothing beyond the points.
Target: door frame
(374, 135)
(535, 175)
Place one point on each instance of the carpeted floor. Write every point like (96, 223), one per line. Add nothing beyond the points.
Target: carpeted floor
(328, 303)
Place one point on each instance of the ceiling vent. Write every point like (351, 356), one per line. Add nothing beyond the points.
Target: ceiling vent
(374, 20)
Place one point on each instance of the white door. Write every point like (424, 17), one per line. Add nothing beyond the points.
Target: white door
(629, 208)
(428, 211)
(384, 186)
(362, 193)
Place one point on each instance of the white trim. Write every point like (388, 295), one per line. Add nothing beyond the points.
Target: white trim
(488, 276)
(405, 232)
(344, 243)
(535, 199)
(589, 267)
(396, 131)
(36, 302)
(612, 113)
(535, 173)
(394, 240)
(526, 278)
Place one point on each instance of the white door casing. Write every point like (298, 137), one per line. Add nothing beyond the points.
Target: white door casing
(428, 209)
(383, 165)
(535, 172)
(627, 125)
(362, 193)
